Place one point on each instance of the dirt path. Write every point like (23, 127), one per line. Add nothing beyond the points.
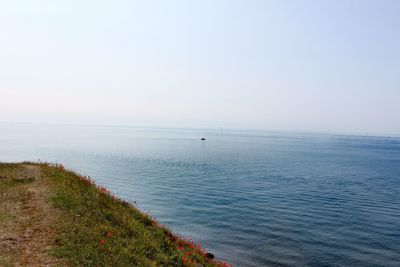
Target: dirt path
(27, 219)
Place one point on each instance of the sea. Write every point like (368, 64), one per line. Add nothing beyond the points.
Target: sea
(251, 198)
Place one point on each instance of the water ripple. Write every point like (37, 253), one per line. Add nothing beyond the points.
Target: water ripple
(253, 199)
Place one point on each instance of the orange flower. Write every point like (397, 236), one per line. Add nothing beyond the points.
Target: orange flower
(102, 241)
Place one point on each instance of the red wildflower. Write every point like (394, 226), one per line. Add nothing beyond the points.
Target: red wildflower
(103, 189)
(108, 234)
(102, 241)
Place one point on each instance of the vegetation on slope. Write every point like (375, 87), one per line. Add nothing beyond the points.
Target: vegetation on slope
(87, 225)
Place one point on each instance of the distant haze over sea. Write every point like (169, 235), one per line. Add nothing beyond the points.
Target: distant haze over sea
(330, 66)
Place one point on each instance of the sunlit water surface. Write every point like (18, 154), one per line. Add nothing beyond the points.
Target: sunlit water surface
(251, 198)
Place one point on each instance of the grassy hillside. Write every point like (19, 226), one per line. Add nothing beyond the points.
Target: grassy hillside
(52, 216)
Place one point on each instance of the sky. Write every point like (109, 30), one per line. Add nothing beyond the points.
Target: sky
(331, 66)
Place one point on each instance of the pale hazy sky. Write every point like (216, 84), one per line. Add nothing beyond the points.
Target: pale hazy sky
(281, 65)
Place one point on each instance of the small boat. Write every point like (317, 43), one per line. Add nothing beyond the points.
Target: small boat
(203, 139)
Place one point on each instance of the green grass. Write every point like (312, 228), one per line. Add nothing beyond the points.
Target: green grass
(5, 262)
(98, 229)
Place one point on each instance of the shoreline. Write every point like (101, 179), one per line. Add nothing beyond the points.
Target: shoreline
(53, 216)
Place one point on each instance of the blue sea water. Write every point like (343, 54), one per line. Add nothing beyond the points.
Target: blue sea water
(251, 198)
